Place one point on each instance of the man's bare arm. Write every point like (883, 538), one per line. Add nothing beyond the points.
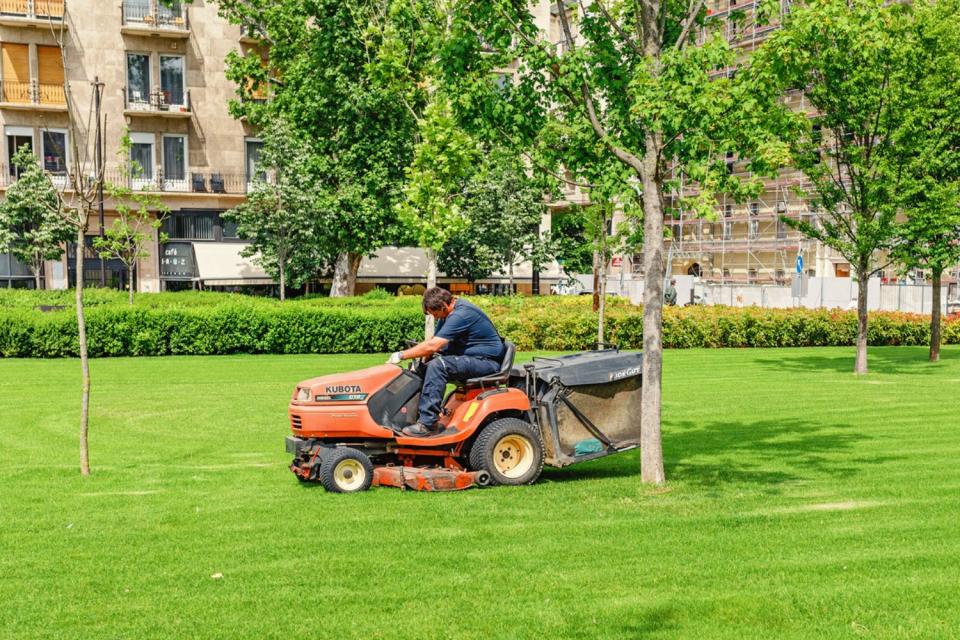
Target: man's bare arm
(425, 348)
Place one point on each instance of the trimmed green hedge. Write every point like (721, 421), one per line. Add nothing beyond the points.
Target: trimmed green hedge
(207, 324)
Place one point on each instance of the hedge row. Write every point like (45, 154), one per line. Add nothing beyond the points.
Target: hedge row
(245, 327)
(206, 331)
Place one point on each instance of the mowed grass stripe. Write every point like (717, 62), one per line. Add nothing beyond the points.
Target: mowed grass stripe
(803, 502)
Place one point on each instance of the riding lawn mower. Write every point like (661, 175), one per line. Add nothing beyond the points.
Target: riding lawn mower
(496, 430)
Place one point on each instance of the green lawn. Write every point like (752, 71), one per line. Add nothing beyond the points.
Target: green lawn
(802, 502)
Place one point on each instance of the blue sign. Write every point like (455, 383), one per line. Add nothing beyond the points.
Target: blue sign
(799, 264)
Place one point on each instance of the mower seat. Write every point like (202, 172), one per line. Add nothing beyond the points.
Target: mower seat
(502, 375)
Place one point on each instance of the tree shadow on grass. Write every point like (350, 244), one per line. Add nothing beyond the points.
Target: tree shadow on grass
(649, 620)
(618, 465)
(765, 452)
(885, 360)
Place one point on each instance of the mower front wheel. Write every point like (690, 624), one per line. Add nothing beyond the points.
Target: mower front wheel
(510, 450)
(346, 470)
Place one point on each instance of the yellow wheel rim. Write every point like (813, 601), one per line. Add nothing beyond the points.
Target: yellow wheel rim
(349, 474)
(513, 456)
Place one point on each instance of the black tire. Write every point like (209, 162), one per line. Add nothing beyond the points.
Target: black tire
(510, 450)
(346, 470)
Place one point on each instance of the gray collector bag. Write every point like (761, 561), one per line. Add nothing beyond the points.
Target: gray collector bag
(587, 404)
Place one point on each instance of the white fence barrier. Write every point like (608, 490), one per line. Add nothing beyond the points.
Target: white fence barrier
(826, 293)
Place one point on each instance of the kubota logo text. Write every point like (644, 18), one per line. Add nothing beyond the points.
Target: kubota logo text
(343, 388)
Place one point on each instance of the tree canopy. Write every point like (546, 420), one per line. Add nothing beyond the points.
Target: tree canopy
(321, 64)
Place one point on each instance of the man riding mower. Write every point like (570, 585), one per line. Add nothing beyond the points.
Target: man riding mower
(387, 426)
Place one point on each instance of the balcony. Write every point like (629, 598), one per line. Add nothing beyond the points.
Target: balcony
(32, 96)
(159, 103)
(32, 13)
(150, 18)
(194, 182)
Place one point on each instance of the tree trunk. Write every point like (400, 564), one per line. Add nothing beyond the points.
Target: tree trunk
(602, 272)
(596, 282)
(84, 361)
(863, 274)
(935, 317)
(345, 274)
(431, 282)
(283, 279)
(37, 270)
(510, 274)
(651, 450)
(131, 270)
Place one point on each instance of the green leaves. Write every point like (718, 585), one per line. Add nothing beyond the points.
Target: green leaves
(337, 75)
(31, 227)
(441, 165)
(283, 216)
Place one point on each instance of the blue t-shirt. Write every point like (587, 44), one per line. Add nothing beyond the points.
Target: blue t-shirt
(470, 333)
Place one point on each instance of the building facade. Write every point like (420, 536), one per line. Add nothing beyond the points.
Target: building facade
(160, 72)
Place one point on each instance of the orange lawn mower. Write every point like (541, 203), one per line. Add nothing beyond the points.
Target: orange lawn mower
(497, 430)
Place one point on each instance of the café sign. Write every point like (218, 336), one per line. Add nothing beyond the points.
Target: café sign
(177, 261)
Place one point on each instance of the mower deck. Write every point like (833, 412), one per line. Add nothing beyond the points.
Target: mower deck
(428, 479)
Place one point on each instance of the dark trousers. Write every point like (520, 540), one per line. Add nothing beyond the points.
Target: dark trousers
(442, 369)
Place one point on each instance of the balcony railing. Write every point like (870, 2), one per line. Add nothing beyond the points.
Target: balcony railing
(162, 101)
(33, 9)
(32, 93)
(181, 182)
(196, 182)
(155, 16)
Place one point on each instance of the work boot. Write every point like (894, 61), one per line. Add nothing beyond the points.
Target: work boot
(420, 430)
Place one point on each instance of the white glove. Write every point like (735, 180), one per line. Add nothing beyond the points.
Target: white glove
(395, 358)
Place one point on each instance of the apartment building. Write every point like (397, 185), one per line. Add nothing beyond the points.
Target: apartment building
(160, 73)
(748, 242)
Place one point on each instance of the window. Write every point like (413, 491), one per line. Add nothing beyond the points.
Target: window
(752, 275)
(727, 210)
(190, 226)
(730, 162)
(136, 10)
(138, 80)
(141, 159)
(254, 172)
(726, 273)
(17, 137)
(816, 137)
(781, 229)
(229, 229)
(754, 229)
(754, 208)
(727, 230)
(54, 151)
(50, 76)
(170, 14)
(175, 162)
(780, 276)
(171, 80)
(16, 73)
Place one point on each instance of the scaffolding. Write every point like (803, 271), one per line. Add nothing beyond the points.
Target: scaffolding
(744, 242)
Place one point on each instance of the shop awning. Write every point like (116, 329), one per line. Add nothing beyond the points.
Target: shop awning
(221, 265)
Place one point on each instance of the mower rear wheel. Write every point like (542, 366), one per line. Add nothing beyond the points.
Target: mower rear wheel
(510, 450)
(346, 470)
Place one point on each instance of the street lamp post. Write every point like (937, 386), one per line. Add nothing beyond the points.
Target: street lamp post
(98, 95)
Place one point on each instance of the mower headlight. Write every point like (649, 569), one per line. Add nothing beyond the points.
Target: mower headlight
(303, 394)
